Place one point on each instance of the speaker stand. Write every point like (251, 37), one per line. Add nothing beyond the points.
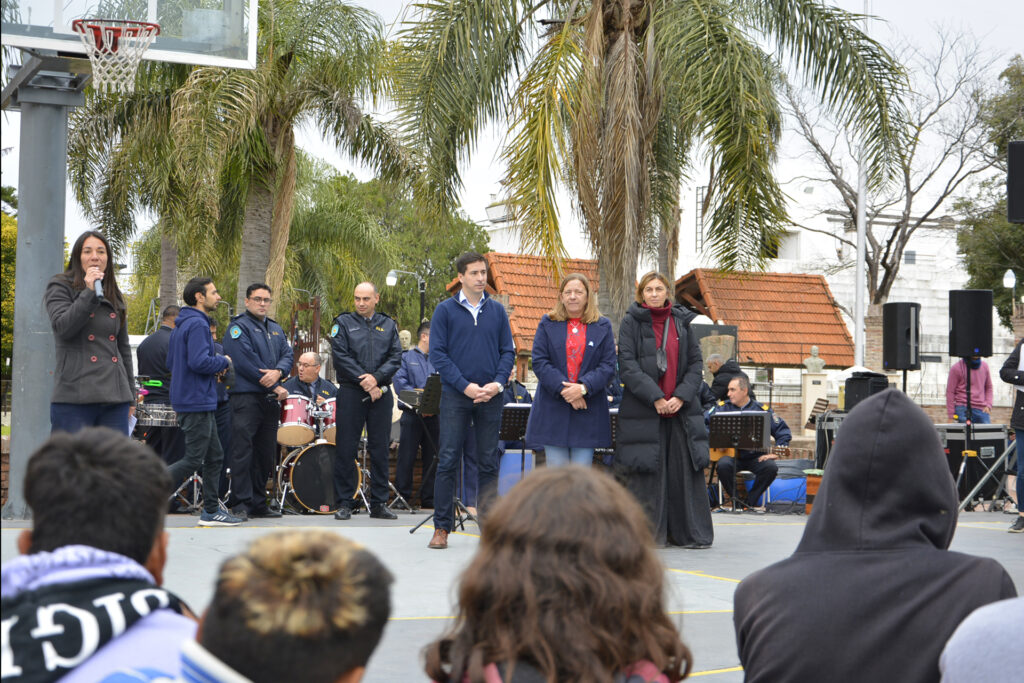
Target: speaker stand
(904, 380)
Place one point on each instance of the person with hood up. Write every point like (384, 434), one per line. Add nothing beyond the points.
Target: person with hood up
(724, 371)
(662, 443)
(872, 592)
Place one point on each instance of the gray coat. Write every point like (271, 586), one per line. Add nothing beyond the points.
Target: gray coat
(94, 358)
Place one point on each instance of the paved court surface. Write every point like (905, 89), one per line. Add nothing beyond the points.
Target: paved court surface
(701, 581)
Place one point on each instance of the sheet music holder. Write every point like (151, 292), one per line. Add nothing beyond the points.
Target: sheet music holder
(430, 401)
(514, 417)
(749, 431)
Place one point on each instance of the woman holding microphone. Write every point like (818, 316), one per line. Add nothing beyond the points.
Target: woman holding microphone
(574, 359)
(94, 384)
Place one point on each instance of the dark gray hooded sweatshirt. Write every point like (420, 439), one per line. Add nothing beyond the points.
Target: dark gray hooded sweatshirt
(871, 593)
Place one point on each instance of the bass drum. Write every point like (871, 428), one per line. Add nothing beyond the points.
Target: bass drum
(308, 477)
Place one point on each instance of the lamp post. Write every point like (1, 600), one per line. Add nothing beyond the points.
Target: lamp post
(392, 280)
(1010, 282)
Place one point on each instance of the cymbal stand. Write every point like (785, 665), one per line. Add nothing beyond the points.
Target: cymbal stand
(364, 467)
(193, 501)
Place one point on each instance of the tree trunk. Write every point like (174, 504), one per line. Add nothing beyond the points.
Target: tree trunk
(168, 265)
(256, 227)
(280, 227)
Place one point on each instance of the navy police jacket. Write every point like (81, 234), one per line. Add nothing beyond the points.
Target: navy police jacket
(780, 430)
(254, 344)
(321, 387)
(360, 346)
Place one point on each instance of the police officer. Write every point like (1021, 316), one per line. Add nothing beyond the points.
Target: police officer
(366, 353)
(762, 465)
(418, 432)
(308, 382)
(262, 357)
(168, 442)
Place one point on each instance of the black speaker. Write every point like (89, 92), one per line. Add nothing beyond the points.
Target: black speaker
(1015, 182)
(860, 385)
(901, 334)
(970, 322)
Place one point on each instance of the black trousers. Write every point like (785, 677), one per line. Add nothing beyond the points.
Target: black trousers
(223, 415)
(764, 474)
(254, 420)
(417, 434)
(202, 453)
(353, 414)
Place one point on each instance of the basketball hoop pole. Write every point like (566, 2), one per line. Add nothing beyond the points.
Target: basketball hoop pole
(44, 90)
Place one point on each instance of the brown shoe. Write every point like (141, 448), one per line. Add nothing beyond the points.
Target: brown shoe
(439, 541)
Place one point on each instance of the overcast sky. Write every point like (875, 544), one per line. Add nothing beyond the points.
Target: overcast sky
(997, 23)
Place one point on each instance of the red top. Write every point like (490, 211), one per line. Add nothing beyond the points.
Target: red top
(667, 382)
(575, 343)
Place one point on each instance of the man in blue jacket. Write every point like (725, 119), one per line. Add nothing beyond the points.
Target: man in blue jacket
(471, 347)
(263, 359)
(194, 368)
(418, 432)
(367, 354)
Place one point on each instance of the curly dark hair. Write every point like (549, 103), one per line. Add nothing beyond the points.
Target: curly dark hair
(566, 581)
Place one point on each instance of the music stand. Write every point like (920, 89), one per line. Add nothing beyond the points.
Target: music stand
(741, 431)
(427, 402)
(514, 417)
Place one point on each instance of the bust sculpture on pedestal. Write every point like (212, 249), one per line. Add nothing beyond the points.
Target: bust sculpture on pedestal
(814, 363)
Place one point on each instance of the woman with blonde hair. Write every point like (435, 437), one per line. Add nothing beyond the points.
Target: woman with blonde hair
(574, 359)
(662, 442)
(565, 588)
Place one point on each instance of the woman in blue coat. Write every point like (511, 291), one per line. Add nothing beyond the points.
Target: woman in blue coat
(574, 359)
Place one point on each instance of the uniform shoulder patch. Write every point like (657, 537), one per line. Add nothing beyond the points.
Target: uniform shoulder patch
(721, 403)
(764, 406)
(334, 330)
(235, 331)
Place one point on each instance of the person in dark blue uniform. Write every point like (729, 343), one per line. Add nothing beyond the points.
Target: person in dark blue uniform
(418, 432)
(367, 354)
(262, 358)
(308, 382)
(167, 442)
(762, 465)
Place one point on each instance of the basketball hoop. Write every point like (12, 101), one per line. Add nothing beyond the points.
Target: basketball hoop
(115, 48)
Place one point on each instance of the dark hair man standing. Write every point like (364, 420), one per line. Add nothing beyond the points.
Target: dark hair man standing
(262, 358)
(367, 354)
(418, 432)
(152, 357)
(471, 347)
(194, 367)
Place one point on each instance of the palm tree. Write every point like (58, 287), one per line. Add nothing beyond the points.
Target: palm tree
(614, 97)
(318, 60)
(120, 162)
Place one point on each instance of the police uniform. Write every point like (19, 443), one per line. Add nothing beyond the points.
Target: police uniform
(360, 346)
(253, 344)
(765, 471)
(321, 388)
(167, 442)
(417, 432)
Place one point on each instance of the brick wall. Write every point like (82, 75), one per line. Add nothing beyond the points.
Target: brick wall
(873, 342)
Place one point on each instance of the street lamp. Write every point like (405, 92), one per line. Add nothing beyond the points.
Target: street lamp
(1010, 282)
(392, 279)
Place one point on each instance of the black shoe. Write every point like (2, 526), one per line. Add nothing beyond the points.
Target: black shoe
(240, 512)
(343, 513)
(265, 513)
(382, 512)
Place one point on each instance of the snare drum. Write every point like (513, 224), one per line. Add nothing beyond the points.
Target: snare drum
(297, 426)
(330, 422)
(308, 476)
(156, 415)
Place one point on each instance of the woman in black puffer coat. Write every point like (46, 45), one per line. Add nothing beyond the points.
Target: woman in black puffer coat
(662, 443)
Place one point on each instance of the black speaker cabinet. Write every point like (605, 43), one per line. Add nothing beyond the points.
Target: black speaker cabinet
(1015, 182)
(901, 334)
(861, 385)
(970, 322)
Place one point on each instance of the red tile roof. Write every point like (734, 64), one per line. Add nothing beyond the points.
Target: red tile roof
(779, 315)
(528, 287)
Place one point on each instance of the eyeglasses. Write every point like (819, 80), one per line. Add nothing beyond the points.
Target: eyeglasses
(261, 300)
(307, 365)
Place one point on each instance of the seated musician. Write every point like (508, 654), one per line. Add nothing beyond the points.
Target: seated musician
(308, 382)
(762, 465)
(419, 433)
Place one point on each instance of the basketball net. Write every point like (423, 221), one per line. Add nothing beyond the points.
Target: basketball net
(115, 48)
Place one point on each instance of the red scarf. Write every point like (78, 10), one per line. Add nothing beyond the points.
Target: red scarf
(667, 382)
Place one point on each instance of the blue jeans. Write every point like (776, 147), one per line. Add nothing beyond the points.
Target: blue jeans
(560, 456)
(979, 416)
(456, 412)
(71, 417)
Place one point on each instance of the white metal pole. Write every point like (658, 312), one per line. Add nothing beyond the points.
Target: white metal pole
(860, 279)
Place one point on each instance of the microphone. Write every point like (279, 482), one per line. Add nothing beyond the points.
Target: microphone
(383, 390)
(97, 286)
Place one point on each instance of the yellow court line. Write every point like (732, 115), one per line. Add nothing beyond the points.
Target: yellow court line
(443, 617)
(761, 524)
(712, 672)
(702, 575)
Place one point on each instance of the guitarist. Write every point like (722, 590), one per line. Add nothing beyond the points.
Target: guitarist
(762, 465)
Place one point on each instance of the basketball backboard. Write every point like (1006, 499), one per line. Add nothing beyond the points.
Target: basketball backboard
(206, 32)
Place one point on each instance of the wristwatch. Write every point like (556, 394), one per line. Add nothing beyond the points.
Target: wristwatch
(584, 389)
